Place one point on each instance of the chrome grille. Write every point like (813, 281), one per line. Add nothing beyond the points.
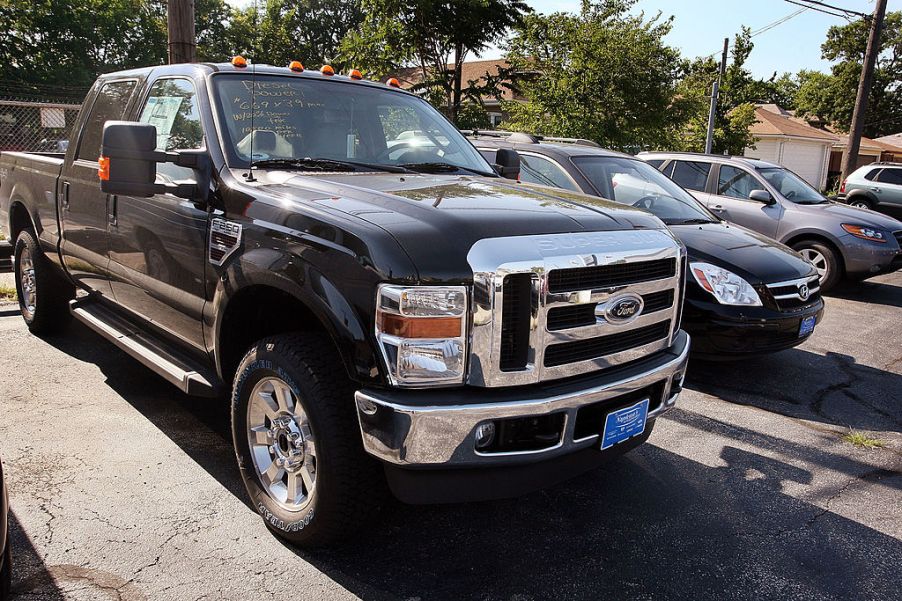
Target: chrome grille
(536, 299)
(789, 295)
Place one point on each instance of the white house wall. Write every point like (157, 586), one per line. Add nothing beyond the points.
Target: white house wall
(808, 159)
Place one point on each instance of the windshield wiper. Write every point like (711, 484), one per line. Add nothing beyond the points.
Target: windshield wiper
(308, 164)
(812, 202)
(441, 168)
(693, 221)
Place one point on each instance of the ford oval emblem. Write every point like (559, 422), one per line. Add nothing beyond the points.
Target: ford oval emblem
(620, 309)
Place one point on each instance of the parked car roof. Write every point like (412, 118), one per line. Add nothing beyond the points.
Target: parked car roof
(560, 146)
(717, 158)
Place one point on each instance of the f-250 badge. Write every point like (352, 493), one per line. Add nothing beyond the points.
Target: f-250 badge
(225, 238)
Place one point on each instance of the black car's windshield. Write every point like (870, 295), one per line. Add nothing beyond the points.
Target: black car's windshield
(636, 183)
(296, 118)
(791, 186)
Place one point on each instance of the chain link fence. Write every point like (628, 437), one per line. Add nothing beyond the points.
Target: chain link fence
(36, 126)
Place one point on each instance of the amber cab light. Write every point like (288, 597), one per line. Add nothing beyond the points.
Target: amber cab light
(355, 74)
(327, 70)
(393, 82)
(103, 168)
(239, 61)
(296, 66)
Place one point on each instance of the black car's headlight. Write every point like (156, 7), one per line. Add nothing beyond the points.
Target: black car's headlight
(422, 333)
(727, 287)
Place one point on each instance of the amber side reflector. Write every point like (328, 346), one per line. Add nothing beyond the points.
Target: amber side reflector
(239, 62)
(327, 70)
(355, 74)
(296, 66)
(103, 168)
(393, 82)
(419, 327)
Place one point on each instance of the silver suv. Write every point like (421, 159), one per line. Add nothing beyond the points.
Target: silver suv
(873, 185)
(840, 241)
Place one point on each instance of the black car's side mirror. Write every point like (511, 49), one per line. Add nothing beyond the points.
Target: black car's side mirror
(128, 163)
(507, 163)
(762, 196)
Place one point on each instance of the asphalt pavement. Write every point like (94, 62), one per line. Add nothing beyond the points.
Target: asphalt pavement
(123, 488)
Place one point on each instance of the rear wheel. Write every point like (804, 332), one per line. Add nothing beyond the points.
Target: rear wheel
(6, 573)
(44, 294)
(824, 259)
(860, 202)
(298, 441)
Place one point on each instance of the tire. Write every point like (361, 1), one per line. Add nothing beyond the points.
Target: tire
(825, 259)
(326, 487)
(44, 293)
(861, 202)
(6, 574)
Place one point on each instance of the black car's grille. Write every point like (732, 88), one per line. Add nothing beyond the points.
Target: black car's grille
(794, 300)
(515, 317)
(592, 348)
(605, 276)
(564, 318)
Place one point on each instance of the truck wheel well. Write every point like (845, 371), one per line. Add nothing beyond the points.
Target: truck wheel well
(19, 221)
(257, 312)
(814, 237)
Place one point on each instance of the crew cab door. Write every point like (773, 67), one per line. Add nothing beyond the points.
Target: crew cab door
(730, 200)
(83, 208)
(158, 244)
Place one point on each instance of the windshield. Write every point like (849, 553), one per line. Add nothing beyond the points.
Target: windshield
(297, 118)
(636, 183)
(791, 186)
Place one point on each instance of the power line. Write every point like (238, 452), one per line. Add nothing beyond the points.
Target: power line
(829, 9)
(769, 26)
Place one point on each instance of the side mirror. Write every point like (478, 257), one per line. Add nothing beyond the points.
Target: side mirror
(128, 163)
(507, 163)
(762, 196)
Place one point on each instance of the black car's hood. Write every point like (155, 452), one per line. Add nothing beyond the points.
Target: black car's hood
(437, 218)
(755, 258)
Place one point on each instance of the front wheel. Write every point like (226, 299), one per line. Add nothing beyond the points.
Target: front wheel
(298, 442)
(44, 294)
(824, 259)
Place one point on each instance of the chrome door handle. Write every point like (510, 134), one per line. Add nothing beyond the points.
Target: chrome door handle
(717, 208)
(875, 189)
(65, 199)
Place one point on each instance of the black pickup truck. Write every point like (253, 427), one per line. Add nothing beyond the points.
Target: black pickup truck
(382, 306)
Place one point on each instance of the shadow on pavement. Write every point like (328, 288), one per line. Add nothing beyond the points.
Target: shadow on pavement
(30, 575)
(874, 293)
(832, 389)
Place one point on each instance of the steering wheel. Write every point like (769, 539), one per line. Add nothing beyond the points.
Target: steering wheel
(385, 155)
(646, 202)
(790, 194)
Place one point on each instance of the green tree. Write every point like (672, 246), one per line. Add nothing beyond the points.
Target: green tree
(603, 74)
(735, 114)
(832, 97)
(434, 36)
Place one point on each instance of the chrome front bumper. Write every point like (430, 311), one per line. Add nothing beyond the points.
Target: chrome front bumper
(398, 429)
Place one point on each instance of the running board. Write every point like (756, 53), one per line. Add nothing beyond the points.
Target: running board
(190, 377)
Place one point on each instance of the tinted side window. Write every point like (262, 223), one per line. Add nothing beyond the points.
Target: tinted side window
(488, 155)
(108, 106)
(871, 175)
(890, 176)
(735, 182)
(539, 170)
(692, 175)
(172, 109)
(656, 163)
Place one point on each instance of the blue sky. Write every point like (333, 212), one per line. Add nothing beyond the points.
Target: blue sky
(701, 25)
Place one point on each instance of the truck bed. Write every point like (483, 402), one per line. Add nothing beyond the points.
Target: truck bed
(30, 178)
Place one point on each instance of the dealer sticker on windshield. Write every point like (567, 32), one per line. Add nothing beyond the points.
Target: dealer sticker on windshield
(807, 325)
(624, 423)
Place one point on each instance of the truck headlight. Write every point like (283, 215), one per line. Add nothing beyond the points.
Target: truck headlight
(422, 333)
(727, 287)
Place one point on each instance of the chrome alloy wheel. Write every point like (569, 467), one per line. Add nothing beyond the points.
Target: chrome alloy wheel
(282, 444)
(859, 204)
(818, 260)
(27, 285)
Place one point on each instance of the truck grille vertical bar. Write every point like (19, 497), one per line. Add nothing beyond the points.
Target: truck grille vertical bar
(516, 308)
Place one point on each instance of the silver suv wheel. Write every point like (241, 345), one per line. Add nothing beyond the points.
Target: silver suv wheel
(282, 444)
(818, 260)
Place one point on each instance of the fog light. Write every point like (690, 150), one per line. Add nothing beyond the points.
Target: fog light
(485, 435)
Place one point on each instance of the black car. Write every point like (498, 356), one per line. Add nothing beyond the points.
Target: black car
(747, 294)
(5, 560)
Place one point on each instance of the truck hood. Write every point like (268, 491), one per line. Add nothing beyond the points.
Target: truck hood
(437, 218)
(848, 214)
(753, 257)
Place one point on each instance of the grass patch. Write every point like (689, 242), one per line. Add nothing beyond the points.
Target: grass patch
(7, 293)
(860, 439)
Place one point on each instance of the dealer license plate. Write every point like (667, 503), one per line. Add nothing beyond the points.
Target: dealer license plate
(807, 325)
(624, 423)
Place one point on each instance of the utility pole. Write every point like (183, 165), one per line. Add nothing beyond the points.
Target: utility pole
(182, 45)
(850, 155)
(715, 92)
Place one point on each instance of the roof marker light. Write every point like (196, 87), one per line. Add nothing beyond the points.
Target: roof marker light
(393, 82)
(327, 70)
(296, 66)
(355, 74)
(239, 61)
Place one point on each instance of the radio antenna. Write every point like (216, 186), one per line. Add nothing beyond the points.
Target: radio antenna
(250, 170)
